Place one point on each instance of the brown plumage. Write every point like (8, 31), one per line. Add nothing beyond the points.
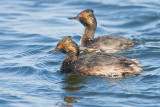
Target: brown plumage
(106, 43)
(95, 64)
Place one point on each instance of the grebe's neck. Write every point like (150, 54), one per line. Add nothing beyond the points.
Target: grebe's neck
(71, 56)
(88, 34)
(67, 63)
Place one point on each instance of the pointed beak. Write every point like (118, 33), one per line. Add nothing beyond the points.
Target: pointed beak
(73, 18)
(52, 51)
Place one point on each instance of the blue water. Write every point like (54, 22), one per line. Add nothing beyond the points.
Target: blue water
(29, 77)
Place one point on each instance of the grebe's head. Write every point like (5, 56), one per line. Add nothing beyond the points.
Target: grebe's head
(86, 17)
(66, 46)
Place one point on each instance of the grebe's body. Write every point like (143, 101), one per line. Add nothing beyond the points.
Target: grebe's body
(95, 64)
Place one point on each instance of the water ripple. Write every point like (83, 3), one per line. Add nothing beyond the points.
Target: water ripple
(31, 77)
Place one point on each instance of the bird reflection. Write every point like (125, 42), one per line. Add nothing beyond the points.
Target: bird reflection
(72, 81)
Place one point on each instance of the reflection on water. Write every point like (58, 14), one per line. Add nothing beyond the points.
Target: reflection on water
(71, 84)
(72, 81)
(70, 99)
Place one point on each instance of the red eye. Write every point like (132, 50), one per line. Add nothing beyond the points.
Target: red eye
(80, 15)
(60, 46)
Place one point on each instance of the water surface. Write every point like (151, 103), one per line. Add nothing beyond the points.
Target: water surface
(30, 77)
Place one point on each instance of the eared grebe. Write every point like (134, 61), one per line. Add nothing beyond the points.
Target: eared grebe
(95, 64)
(108, 43)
